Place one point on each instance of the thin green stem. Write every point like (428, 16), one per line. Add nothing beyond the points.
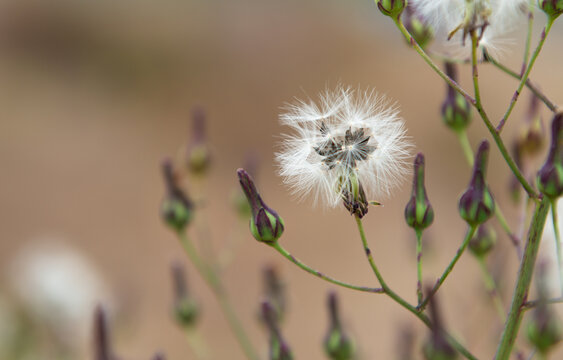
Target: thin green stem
(494, 133)
(429, 61)
(387, 290)
(465, 145)
(523, 281)
(533, 303)
(213, 281)
(450, 266)
(492, 288)
(535, 55)
(554, 220)
(419, 265)
(528, 37)
(533, 88)
(475, 71)
(196, 343)
(320, 275)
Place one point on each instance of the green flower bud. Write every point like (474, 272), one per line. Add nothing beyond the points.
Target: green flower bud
(338, 346)
(418, 212)
(483, 241)
(544, 329)
(532, 135)
(265, 224)
(477, 205)
(553, 8)
(392, 8)
(279, 349)
(417, 26)
(176, 209)
(550, 176)
(186, 309)
(198, 155)
(456, 110)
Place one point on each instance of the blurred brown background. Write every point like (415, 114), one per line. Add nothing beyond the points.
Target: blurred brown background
(94, 94)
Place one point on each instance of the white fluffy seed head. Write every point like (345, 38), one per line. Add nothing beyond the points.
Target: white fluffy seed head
(348, 134)
(501, 17)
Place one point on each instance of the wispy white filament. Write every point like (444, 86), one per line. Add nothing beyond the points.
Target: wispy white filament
(502, 16)
(376, 150)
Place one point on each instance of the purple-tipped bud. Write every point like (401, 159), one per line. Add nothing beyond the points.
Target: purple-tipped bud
(337, 345)
(417, 26)
(477, 205)
(279, 349)
(437, 346)
(552, 8)
(483, 241)
(418, 212)
(199, 157)
(176, 208)
(102, 342)
(550, 176)
(456, 110)
(392, 8)
(274, 291)
(159, 356)
(265, 224)
(185, 308)
(532, 136)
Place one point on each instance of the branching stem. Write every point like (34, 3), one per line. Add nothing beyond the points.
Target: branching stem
(213, 281)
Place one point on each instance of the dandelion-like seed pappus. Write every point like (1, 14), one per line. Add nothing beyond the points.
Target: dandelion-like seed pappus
(350, 146)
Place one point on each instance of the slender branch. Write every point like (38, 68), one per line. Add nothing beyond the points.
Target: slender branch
(213, 281)
(492, 288)
(400, 300)
(320, 275)
(494, 133)
(533, 303)
(533, 88)
(535, 54)
(449, 268)
(524, 279)
(475, 72)
(196, 343)
(465, 146)
(419, 265)
(528, 38)
(555, 219)
(429, 61)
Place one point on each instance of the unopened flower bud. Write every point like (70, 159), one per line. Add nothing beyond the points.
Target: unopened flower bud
(418, 212)
(265, 224)
(176, 208)
(417, 26)
(477, 205)
(102, 341)
(279, 349)
(238, 199)
(186, 310)
(550, 176)
(274, 291)
(392, 8)
(338, 346)
(456, 110)
(544, 329)
(532, 135)
(437, 347)
(483, 241)
(198, 154)
(553, 8)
